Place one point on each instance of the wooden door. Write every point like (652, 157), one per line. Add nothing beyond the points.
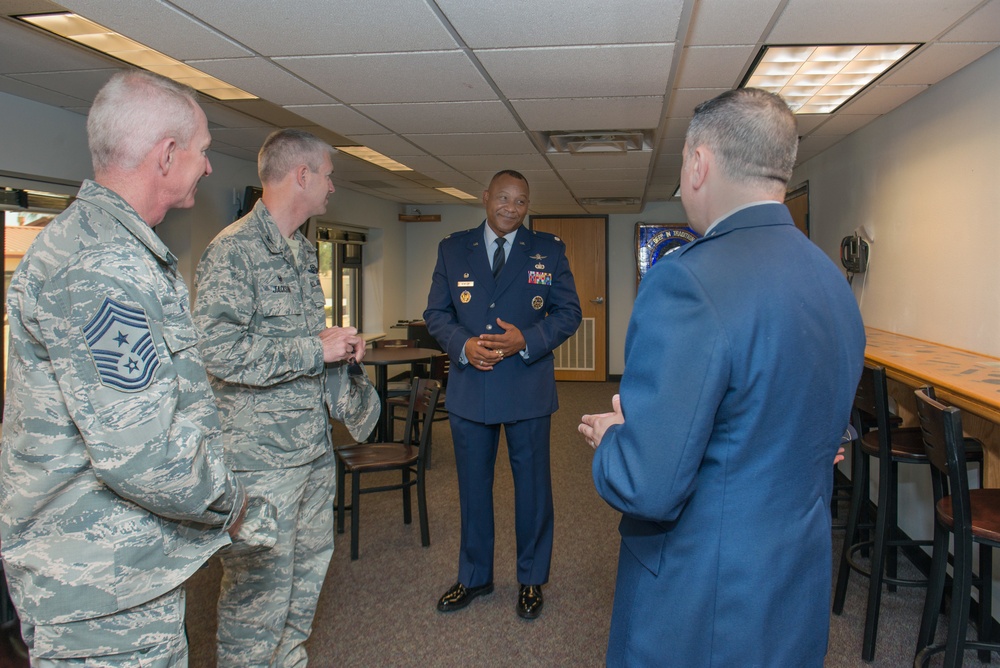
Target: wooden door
(584, 356)
(797, 202)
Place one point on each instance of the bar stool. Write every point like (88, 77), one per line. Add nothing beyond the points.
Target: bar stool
(974, 517)
(891, 447)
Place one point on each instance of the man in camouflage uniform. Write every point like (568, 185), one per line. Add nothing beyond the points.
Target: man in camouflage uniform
(260, 307)
(113, 489)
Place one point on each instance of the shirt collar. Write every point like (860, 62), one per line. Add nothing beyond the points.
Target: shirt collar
(736, 210)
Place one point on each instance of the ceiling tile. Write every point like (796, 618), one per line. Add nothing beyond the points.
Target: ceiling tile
(439, 117)
(496, 143)
(263, 79)
(864, 21)
(393, 146)
(220, 114)
(83, 85)
(981, 26)
(493, 163)
(339, 118)
(427, 165)
(881, 99)
(248, 138)
(843, 124)
(581, 176)
(27, 50)
(600, 71)
(723, 22)
(714, 66)
(32, 92)
(809, 122)
(937, 61)
(595, 113)
(266, 111)
(438, 76)
(278, 29)
(563, 22)
(160, 26)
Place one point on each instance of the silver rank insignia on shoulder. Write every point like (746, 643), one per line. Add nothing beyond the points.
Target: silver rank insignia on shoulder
(466, 296)
(537, 302)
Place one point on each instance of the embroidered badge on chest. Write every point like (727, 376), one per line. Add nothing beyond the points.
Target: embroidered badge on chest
(537, 302)
(121, 346)
(466, 296)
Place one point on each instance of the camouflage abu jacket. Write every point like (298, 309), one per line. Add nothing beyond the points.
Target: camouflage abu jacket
(260, 313)
(112, 484)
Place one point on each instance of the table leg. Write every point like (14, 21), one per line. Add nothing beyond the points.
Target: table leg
(381, 385)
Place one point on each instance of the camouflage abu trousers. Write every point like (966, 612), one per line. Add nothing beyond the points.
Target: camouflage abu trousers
(268, 598)
(150, 635)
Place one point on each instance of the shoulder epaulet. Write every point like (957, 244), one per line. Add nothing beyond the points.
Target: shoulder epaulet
(546, 235)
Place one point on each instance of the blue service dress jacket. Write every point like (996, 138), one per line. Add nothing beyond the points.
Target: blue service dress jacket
(535, 292)
(742, 358)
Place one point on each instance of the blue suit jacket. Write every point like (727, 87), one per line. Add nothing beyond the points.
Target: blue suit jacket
(535, 292)
(741, 363)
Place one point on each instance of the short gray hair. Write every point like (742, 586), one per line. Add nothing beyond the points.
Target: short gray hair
(133, 112)
(752, 131)
(283, 150)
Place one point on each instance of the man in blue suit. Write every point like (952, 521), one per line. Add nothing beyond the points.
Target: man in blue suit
(742, 358)
(501, 300)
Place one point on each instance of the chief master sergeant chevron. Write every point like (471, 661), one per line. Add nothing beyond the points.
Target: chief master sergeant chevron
(113, 489)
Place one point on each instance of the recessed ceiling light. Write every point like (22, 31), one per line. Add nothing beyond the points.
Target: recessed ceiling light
(95, 36)
(819, 79)
(455, 192)
(374, 157)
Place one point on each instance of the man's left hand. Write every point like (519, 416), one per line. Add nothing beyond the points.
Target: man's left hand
(511, 342)
(593, 426)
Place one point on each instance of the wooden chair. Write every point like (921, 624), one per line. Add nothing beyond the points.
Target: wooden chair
(408, 457)
(890, 447)
(439, 368)
(973, 516)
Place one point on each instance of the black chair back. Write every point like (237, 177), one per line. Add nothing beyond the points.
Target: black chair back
(423, 400)
(941, 428)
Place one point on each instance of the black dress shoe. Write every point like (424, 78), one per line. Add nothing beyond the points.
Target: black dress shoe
(529, 601)
(460, 596)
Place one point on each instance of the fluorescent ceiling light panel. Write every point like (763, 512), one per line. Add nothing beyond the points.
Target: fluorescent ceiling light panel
(455, 192)
(819, 79)
(374, 157)
(95, 36)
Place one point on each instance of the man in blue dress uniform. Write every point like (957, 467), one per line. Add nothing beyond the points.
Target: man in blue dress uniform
(502, 298)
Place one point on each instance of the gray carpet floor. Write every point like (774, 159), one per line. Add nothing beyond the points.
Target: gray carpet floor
(380, 609)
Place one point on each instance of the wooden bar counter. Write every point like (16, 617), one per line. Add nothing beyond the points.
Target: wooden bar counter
(968, 380)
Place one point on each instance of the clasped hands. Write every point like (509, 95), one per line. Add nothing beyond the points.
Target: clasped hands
(487, 350)
(341, 343)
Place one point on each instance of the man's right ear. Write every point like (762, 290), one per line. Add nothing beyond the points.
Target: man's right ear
(164, 151)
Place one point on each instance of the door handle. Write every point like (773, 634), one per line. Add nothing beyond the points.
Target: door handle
(598, 300)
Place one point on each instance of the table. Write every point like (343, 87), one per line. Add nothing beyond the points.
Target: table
(965, 379)
(381, 358)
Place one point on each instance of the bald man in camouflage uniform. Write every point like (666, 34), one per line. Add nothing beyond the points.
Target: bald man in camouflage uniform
(113, 489)
(260, 306)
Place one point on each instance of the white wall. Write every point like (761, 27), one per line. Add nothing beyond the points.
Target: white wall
(925, 179)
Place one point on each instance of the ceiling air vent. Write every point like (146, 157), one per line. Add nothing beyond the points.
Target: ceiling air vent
(609, 201)
(604, 141)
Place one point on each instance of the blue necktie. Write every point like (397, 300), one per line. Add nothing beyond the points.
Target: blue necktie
(498, 257)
